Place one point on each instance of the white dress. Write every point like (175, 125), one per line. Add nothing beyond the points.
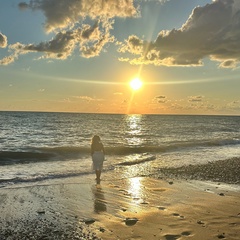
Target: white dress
(97, 159)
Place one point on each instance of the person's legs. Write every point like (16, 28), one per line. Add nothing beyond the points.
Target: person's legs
(98, 174)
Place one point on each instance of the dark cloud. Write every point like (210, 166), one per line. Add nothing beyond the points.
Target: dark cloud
(211, 31)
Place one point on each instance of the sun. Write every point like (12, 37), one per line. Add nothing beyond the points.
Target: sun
(136, 84)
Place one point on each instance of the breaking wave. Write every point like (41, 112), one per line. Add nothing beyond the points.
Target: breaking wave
(68, 152)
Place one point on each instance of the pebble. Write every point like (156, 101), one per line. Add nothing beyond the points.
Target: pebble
(41, 212)
(131, 221)
(89, 221)
(221, 236)
(161, 208)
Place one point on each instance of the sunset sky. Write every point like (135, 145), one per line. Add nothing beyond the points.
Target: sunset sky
(80, 55)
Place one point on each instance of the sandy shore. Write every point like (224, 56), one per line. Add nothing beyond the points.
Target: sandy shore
(134, 208)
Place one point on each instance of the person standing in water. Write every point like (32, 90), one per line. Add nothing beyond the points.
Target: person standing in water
(97, 153)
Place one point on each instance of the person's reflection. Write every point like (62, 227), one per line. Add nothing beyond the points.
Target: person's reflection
(99, 200)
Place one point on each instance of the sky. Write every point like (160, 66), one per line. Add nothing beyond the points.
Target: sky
(80, 55)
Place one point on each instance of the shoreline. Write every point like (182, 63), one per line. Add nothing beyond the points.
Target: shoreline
(133, 208)
(225, 171)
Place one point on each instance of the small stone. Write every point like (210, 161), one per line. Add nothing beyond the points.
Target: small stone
(186, 233)
(221, 236)
(221, 194)
(41, 212)
(200, 222)
(170, 182)
(131, 221)
(136, 198)
(176, 214)
(161, 208)
(101, 229)
(89, 221)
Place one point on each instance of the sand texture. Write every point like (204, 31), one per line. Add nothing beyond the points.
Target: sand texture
(134, 208)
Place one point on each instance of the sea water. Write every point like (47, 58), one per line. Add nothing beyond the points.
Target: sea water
(36, 146)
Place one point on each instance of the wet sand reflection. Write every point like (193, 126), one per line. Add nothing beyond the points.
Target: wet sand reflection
(99, 199)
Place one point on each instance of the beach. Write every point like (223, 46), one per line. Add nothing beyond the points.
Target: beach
(164, 177)
(128, 208)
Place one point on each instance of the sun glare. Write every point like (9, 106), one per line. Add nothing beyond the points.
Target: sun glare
(136, 84)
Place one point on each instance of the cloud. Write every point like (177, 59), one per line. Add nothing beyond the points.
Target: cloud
(234, 104)
(160, 1)
(211, 31)
(195, 98)
(84, 24)
(90, 40)
(23, 6)
(160, 99)
(3, 41)
(230, 63)
(85, 98)
(62, 14)
(7, 60)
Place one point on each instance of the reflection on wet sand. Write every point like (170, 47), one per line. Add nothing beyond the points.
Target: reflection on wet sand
(99, 199)
(135, 187)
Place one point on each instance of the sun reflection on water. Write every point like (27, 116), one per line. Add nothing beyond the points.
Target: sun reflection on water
(134, 130)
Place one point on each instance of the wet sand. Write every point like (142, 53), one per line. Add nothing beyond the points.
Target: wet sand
(134, 208)
(172, 205)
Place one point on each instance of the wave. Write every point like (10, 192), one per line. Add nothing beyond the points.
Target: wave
(41, 154)
(73, 152)
(172, 146)
(34, 179)
(7, 157)
(142, 158)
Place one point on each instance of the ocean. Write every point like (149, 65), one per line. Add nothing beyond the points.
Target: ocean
(37, 147)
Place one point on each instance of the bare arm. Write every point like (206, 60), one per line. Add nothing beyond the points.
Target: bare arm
(92, 150)
(103, 149)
